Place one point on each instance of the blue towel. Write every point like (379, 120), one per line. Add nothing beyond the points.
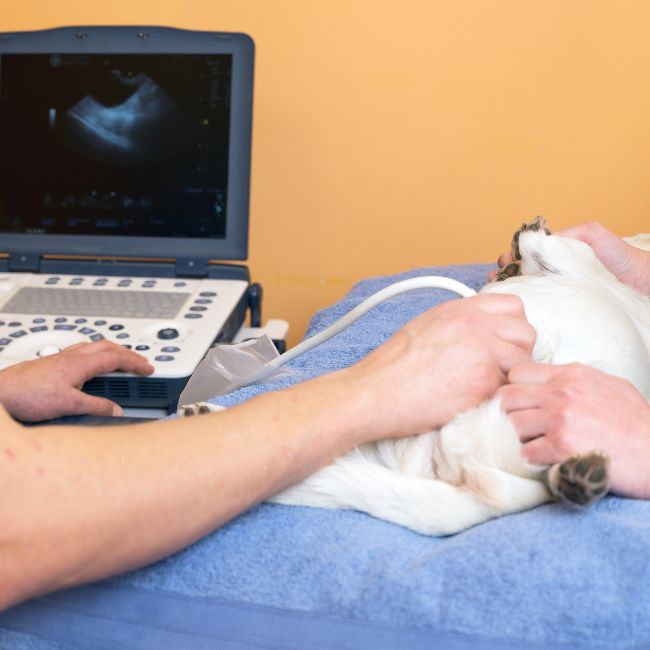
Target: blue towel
(312, 579)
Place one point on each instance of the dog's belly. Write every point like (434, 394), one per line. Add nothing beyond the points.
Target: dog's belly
(580, 322)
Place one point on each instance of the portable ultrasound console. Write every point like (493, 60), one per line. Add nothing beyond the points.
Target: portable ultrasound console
(124, 182)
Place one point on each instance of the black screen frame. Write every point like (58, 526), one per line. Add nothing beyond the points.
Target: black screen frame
(155, 40)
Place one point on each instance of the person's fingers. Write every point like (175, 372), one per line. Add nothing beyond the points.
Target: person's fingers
(529, 423)
(504, 259)
(534, 373)
(516, 331)
(586, 232)
(83, 404)
(540, 451)
(515, 397)
(499, 303)
(92, 347)
(109, 360)
(509, 354)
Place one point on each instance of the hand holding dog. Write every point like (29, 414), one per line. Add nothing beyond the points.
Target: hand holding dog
(563, 410)
(447, 360)
(629, 264)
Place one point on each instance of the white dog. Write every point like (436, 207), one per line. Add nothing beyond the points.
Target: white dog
(472, 470)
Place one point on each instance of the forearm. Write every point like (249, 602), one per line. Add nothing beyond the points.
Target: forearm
(81, 504)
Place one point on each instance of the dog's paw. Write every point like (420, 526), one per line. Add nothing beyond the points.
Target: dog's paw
(508, 271)
(514, 268)
(198, 408)
(537, 224)
(581, 479)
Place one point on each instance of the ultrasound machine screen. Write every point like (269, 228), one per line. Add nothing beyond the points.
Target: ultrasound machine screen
(115, 144)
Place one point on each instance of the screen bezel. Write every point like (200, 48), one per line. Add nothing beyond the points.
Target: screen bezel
(155, 40)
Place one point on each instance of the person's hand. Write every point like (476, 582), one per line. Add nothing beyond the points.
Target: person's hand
(629, 264)
(49, 387)
(446, 361)
(563, 410)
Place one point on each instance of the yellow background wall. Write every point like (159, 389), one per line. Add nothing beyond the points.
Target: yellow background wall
(391, 135)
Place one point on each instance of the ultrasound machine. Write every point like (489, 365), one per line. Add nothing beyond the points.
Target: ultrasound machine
(124, 189)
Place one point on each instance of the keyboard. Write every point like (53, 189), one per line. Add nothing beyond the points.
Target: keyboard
(96, 302)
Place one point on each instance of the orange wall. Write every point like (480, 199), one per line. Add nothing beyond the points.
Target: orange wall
(391, 135)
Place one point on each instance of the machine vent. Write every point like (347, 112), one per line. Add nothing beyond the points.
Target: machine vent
(152, 389)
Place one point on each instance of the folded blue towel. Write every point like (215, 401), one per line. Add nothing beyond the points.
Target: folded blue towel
(305, 578)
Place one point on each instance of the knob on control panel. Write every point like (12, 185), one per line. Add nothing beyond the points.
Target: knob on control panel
(167, 333)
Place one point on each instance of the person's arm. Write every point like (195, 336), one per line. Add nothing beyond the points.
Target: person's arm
(50, 387)
(559, 411)
(80, 504)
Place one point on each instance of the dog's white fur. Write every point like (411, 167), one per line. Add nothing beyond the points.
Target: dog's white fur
(471, 470)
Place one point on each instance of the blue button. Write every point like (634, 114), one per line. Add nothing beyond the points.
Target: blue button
(202, 301)
(18, 334)
(5, 341)
(199, 308)
(171, 348)
(54, 278)
(141, 347)
(99, 283)
(164, 357)
(75, 282)
(15, 323)
(51, 281)
(149, 283)
(126, 345)
(96, 337)
(180, 284)
(114, 328)
(86, 330)
(193, 315)
(207, 294)
(38, 328)
(37, 320)
(60, 319)
(124, 283)
(65, 327)
(123, 335)
(79, 320)
(167, 333)
(100, 322)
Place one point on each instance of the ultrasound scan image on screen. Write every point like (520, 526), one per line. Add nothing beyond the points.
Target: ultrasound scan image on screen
(132, 145)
